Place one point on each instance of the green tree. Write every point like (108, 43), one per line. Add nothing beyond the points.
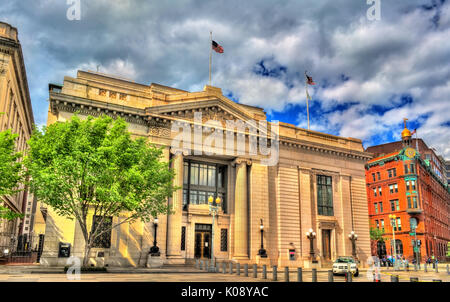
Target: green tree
(11, 172)
(376, 234)
(94, 165)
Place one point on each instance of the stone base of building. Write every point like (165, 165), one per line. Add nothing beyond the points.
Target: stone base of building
(174, 260)
(154, 261)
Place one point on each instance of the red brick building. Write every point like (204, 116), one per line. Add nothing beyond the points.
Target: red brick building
(407, 179)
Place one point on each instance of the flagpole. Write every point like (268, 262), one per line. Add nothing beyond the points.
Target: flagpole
(307, 103)
(210, 57)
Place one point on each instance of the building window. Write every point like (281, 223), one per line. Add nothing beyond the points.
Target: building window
(379, 190)
(376, 208)
(407, 185)
(382, 223)
(202, 180)
(413, 185)
(397, 206)
(378, 175)
(183, 238)
(406, 169)
(381, 206)
(373, 176)
(412, 168)
(392, 172)
(324, 195)
(396, 188)
(392, 205)
(391, 189)
(409, 202)
(399, 224)
(113, 94)
(375, 192)
(224, 240)
(104, 240)
(377, 223)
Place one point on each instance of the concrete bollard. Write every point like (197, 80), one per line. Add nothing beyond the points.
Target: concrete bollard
(201, 264)
(230, 269)
(299, 275)
(255, 271)
(394, 278)
(196, 264)
(314, 275)
(425, 267)
(286, 274)
(224, 268)
(206, 265)
(217, 267)
(330, 276)
(414, 279)
(264, 271)
(436, 268)
(274, 273)
(246, 270)
(238, 269)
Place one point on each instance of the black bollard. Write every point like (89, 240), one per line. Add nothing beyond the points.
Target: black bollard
(299, 275)
(274, 273)
(330, 276)
(255, 271)
(414, 279)
(238, 269)
(264, 271)
(224, 267)
(246, 270)
(201, 264)
(314, 275)
(231, 268)
(286, 274)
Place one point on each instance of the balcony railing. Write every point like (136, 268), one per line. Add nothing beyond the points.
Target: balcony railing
(414, 210)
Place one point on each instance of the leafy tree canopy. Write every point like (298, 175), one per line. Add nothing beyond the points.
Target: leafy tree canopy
(94, 164)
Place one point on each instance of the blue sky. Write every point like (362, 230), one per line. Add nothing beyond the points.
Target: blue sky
(369, 74)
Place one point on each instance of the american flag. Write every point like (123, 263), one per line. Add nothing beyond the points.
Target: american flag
(309, 80)
(217, 47)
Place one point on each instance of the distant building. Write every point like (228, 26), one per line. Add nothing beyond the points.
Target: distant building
(447, 171)
(15, 103)
(406, 179)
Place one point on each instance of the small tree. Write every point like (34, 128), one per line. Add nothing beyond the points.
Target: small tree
(94, 165)
(10, 171)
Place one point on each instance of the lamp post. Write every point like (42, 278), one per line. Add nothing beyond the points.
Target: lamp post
(262, 252)
(353, 237)
(311, 235)
(393, 218)
(213, 210)
(154, 250)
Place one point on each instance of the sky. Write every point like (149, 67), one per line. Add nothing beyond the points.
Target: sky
(369, 74)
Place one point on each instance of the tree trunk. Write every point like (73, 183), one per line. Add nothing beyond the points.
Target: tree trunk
(87, 249)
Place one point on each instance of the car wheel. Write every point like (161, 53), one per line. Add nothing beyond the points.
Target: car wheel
(357, 273)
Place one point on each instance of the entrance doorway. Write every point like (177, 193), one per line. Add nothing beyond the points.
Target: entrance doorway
(202, 241)
(326, 244)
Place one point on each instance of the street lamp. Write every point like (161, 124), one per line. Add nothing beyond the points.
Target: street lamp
(393, 218)
(353, 237)
(311, 235)
(213, 210)
(154, 250)
(262, 251)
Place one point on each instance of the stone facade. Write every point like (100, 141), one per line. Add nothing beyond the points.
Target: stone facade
(15, 104)
(282, 196)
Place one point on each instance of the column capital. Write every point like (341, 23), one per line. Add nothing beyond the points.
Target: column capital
(239, 161)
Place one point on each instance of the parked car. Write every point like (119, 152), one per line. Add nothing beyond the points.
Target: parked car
(340, 266)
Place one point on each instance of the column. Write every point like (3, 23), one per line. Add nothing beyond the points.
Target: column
(176, 203)
(241, 211)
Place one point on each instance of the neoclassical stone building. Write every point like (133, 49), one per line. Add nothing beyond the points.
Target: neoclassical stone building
(16, 114)
(317, 182)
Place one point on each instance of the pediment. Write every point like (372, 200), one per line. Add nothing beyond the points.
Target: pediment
(215, 109)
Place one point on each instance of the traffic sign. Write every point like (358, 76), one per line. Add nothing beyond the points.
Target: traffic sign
(412, 234)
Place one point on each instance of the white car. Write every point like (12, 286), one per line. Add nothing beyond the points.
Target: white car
(340, 266)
